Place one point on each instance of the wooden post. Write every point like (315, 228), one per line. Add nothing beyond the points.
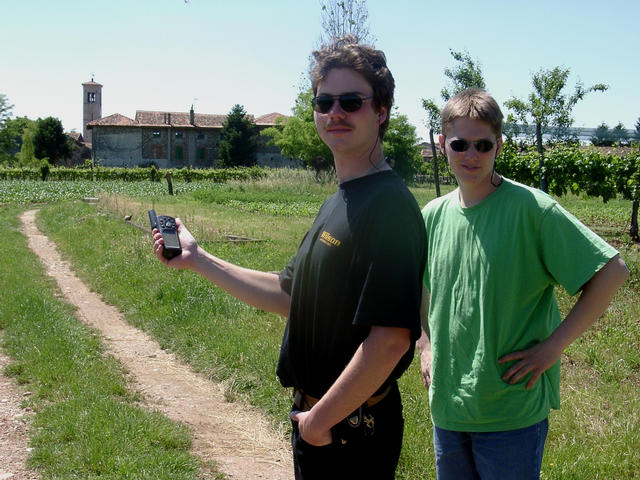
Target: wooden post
(436, 175)
(169, 183)
(633, 231)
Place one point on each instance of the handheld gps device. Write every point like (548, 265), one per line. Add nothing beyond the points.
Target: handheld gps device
(167, 227)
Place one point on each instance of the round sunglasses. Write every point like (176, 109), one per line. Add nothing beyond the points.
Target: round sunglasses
(462, 145)
(349, 102)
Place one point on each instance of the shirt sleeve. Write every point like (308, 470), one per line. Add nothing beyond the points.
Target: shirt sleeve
(286, 276)
(572, 253)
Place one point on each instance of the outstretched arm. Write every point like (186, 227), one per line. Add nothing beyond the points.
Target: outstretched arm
(259, 289)
(594, 300)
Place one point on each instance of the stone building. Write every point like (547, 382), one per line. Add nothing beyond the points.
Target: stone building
(165, 139)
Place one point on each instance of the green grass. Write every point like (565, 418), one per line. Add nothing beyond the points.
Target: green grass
(595, 435)
(88, 424)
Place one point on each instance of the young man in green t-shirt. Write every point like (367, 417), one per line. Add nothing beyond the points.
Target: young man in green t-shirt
(492, 332)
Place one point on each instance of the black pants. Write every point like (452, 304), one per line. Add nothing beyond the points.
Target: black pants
(365, 445)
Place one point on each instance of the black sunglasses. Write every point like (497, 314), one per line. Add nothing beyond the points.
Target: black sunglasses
(461, 145)
(349, 102)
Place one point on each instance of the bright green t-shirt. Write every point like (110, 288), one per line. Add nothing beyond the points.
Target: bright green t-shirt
(491, 271)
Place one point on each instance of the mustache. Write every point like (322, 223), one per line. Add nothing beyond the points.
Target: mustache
(338, 124)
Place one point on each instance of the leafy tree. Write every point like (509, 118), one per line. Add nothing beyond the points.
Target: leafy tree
(400, 144)
(50, 141)
(602, 136)
(11, 137)
(297, 137)
(26, 156)
(345, 17)
(548, 106)
(5, 109)
(465, 74)
(620, 135)
(238, 140)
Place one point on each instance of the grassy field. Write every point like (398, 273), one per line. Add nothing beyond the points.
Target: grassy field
(88, 424)
(596, 434)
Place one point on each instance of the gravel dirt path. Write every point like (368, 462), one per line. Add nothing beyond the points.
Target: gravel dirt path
(237, 437)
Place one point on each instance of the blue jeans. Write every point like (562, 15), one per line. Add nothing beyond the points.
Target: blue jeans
(510, 455)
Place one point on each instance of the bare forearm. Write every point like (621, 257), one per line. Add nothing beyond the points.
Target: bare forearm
(259, 289)
(370, 366)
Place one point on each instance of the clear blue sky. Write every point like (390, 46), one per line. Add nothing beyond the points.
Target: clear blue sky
(163, 54)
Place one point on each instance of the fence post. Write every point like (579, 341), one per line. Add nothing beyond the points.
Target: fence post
(169, 183)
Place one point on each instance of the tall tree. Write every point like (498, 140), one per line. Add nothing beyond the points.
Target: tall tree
(238, 139)
(548, 106)
(345, 17)
(465, 74)
(50, 141)
(5, 109)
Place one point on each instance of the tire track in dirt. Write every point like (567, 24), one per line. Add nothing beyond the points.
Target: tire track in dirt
(237, 437)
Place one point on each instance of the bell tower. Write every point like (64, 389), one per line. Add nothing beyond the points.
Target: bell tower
(91, 106)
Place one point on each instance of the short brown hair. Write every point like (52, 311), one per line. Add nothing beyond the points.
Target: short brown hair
(473, 103)
(346, 52)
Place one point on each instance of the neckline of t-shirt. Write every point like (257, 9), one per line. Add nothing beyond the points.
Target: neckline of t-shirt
(491, 198)
(364, 179)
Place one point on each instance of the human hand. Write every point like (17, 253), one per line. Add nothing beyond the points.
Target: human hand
(187, 242)
(309, 434)
(425, 362)
(535, 360)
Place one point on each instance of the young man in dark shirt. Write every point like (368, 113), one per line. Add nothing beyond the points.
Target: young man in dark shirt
(352, 291)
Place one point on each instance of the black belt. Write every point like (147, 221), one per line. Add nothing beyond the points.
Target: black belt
(306, 402)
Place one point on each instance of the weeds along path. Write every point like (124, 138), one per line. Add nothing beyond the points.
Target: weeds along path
(238, 438)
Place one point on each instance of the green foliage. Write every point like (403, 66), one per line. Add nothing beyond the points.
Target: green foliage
(27, 155)
(620, 135)
(569, 169)
(627, 174)
(238, 140)
(50, 141)
(11, 132)
(297, 136)
(465, 74)
(401, 145)
(547, 106)
(602, 136)
(5, 109)
(136, 174)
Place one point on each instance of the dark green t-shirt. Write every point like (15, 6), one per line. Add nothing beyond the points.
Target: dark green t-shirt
(360, 265)
(491, 271)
